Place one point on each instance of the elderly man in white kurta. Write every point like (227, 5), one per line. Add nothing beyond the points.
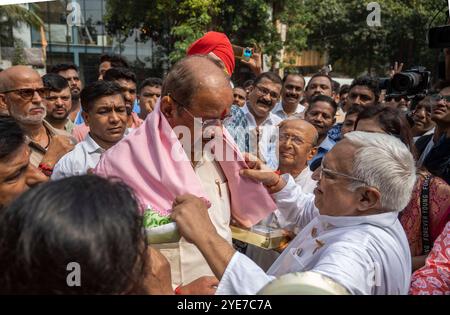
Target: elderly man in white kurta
(349, 227)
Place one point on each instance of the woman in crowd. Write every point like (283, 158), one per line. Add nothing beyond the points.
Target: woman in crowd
(80, 235)
(429, 209)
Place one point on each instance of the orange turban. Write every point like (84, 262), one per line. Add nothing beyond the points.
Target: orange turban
(217, 43)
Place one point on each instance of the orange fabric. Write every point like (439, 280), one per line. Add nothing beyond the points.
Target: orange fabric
(217, 43)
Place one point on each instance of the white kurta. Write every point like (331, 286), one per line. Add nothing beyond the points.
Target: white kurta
(364, 254)
(266, 257)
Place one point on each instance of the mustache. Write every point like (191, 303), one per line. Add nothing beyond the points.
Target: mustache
(265, 102)
(38, 107)
(292, 95)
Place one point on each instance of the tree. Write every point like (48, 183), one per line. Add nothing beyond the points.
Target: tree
(354, 47)
(14, 15)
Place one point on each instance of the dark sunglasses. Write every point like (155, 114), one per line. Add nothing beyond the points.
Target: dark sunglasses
(28, 94)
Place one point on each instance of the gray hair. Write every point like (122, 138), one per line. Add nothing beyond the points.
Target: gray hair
(384, 162)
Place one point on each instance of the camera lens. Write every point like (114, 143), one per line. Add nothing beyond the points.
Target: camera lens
(405, 81)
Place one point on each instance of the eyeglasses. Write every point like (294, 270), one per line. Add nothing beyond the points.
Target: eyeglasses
(439, 97)
(284, 137)
(27, 94)
(219, 122)
(323, 171)
(263, 91)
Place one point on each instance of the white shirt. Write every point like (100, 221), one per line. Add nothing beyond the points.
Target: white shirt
(263, 257)
(279, 111)
(364, 254)
(265, 148)
(304, 179)
(85, 155)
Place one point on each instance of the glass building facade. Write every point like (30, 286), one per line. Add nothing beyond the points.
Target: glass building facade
(75, 33)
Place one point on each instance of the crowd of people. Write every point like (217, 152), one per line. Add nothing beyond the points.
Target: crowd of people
(358, 180)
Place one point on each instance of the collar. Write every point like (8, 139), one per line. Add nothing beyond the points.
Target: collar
(279, 108)
(92, 146)
(304, 174)
(382, 220)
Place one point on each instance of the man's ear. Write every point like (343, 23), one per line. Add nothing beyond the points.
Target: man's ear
(3, 105)
(168, 107)
(369, 198)
(85, 117)
(311, 153)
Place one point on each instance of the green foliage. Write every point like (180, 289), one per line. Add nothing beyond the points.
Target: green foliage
(14, 15)
(19, 55)
(336, 26)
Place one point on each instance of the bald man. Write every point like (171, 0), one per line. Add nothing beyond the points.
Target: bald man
(21, 93)
(297, 145)
(195, 94)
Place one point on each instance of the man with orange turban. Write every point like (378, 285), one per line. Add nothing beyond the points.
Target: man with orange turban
(218, 46)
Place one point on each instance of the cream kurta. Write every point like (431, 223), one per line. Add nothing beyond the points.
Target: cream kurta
(186, 261)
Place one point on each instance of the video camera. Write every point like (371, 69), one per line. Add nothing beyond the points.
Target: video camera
(412, 82)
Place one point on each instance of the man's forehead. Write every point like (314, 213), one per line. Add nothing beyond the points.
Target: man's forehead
(445, 91)
(340, 154)
(361, 89)
(320, 80)
(63, 92)
(125, 82)
(294, 80)
(18, 158)
(267, 82)
(20, 79)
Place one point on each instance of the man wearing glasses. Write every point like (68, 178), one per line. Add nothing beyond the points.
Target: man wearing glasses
(437, 161)
(22, 92)
(350, 232)
(254, 126)
(178, 149)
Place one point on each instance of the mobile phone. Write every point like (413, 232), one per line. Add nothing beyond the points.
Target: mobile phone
(242, 53)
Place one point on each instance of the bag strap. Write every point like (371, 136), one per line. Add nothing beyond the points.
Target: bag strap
(425, 207)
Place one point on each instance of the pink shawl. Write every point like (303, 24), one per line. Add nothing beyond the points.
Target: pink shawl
(153, 163)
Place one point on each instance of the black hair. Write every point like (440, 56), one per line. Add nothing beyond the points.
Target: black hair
(248, 83)
(54, 82)
(320, 74)
(150, 82)
(369, 82)
(95, 90)
(354, 109)
(391, 120)
(11, 136)
(293, 74)
(344, 89)
(114, 74)
(63, 67)
(336, 86)
(115, 60)
(322, 98)
(86, 220)
(271, 76)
